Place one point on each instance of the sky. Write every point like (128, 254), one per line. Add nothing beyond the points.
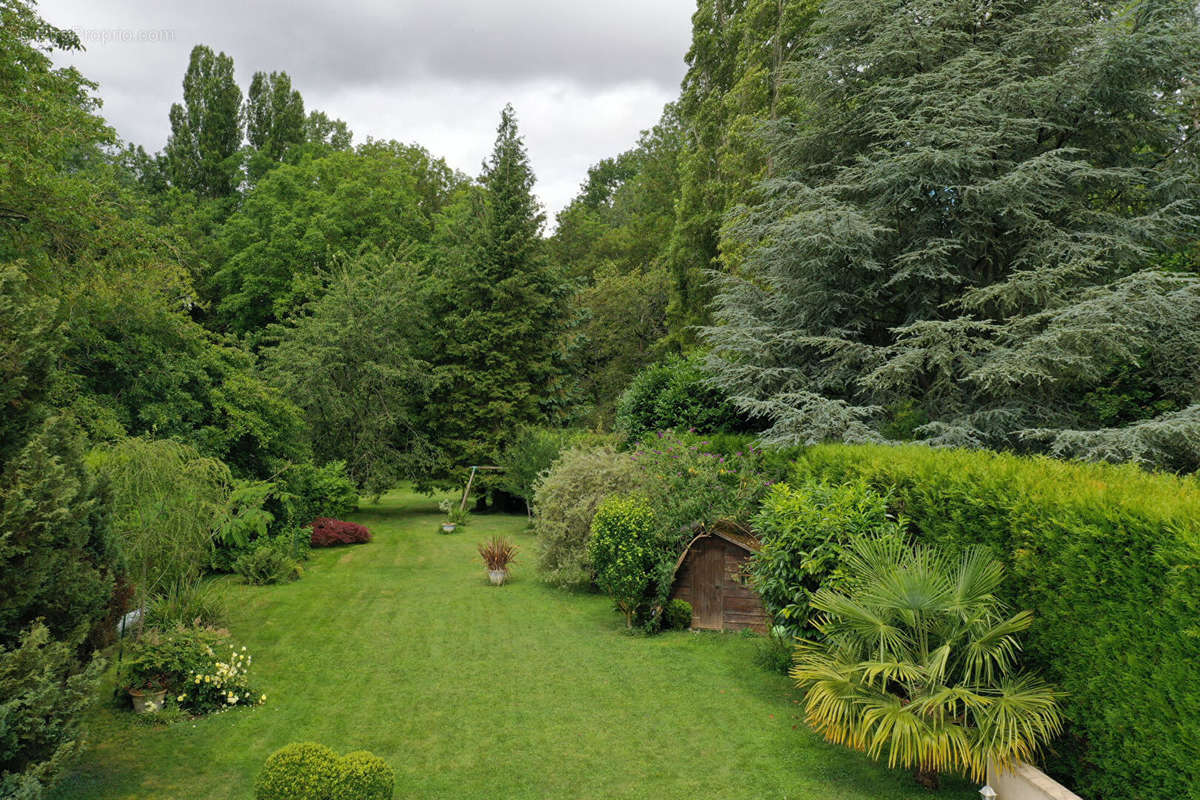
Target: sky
(584, 77)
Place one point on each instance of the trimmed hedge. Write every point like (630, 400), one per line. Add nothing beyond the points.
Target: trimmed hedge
(311, 771)
(1108, 559)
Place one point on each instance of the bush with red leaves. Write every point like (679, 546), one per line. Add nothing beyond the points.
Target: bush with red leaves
(329, 532)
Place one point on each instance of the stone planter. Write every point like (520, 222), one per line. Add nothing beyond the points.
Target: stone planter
(147, 702)
(448, 527)
(497, 576)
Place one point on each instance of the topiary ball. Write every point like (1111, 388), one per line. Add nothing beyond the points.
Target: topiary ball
(298, 771)
(363, 776)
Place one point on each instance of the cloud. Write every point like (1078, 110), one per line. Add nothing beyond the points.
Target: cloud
(584, 77)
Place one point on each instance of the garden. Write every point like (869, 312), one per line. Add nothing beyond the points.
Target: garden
(838, 439)
(403, 648)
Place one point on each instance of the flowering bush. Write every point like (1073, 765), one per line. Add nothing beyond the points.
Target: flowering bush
(221, 684)
(329, 532)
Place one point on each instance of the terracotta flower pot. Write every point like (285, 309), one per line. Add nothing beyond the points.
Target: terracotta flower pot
(147, 702)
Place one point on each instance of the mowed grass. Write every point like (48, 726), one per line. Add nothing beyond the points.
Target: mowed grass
(402, 647)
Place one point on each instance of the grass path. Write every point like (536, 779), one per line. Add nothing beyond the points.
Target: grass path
(402, 648)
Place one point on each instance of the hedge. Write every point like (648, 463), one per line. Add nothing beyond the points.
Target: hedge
(1108, 559)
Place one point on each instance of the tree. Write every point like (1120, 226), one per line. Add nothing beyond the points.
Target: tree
(319, 129)
(275, 121)
(740, 52)
(206, 129)
(919, 663)
(299, 220)
(969, 216)
(352, 361)
(500, 306)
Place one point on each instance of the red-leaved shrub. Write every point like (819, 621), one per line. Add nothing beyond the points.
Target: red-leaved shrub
(329, 532)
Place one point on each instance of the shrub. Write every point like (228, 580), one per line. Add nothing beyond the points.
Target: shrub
(690, 486)
(623, 549)
(44, 692)
(191, 602)
(918, 663)
(530, 453)
(363, 776)
(309, 492)
(498, 553)
(222, 682)
(775, 650)
(331, 532)
(565, 500)
(298, 771)
(266, 565)
(1105, 557)
(167, 659)
(676, 394)
(805, 532)
(677, 615)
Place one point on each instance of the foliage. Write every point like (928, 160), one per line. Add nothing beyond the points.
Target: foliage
(140, 361)
(353, 363)
(167, 504)
(692, 485)
(491, 282)
(195, 603)
(806, 531)
(168, 658)
(43, 693)
(775, 650)
(677, 615)
(219, 685)
(919, 663)
(529, 454)
(564, 501)
(266, 565)
(623, 550)
(675, 394)
(298, 771)
(330, 532)
(57, 555)
(206, 129)
(363, 776)
(302, 222)
(610, 239)
(947, 227)
(275, 120)
(735, 84)
(497, 553)
(1113, 544)
(310, 771)
(454, 511)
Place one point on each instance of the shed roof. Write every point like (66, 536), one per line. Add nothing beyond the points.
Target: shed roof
(733, 532)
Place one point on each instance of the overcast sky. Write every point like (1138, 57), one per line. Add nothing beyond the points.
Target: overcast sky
(585, 77)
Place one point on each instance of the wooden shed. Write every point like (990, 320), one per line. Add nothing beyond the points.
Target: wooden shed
(710, 576)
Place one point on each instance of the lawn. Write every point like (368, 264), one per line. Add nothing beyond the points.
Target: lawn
(401, 647)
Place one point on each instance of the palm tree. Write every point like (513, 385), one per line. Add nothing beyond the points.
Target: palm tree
(918, 660)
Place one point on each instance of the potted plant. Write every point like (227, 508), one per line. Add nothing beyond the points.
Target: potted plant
(455, 515)
(497, 554)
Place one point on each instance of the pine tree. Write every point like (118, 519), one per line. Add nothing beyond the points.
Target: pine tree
(206, 129)
(500, 306)
(968, 224)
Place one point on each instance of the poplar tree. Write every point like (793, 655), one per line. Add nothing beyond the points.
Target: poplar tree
(972, 226)
(206, 129)
(275, 120)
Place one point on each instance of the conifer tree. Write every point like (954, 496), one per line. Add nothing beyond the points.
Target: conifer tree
(969, 227)
(500, 306)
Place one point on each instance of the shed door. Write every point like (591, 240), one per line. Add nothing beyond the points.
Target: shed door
(710, 568)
